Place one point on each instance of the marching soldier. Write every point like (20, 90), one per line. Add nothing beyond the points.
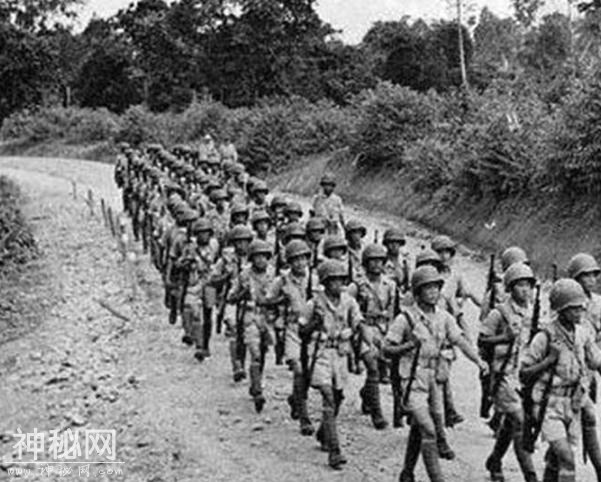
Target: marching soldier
(197, 260)
(335, 247)
(232, 261)
(177, 274)
(355, 231)
(584, 269)
(375, 294)
(417, 335)
(249, 291)
(331, 321)
(295, 288)
(260, 222)
(506, 330)
(293, 212)
(396, 266)
(454, 291)
(258, 194)
(556, 363)
(219, 215)
(329, 205)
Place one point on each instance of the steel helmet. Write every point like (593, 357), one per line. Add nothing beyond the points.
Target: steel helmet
(218, 195)
(278, 201)
(333, 242)
(567, 293)
(316, 224)
(427, 256)
(238, 209)
(512, 255)
(260, 215)
(443, 243)
(202, 225)
(189, 215)
(393, 234)
(373, 251)
(331, 268)
(259, 186)
(517, 272)
(296, 248)
(328, 179)
(582, 263)
(238, 233)
(294, 230)
(355, 225)
(293, 208)
(258, 246)
(425, 275)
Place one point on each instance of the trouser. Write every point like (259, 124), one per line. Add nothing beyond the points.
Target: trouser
(370, 393)
(298, 399)
(511, 431)
(449, 404)
(590, 439)
(192, 319)
(561, 464)
(330, 407)
(257, 349)
(422, 422)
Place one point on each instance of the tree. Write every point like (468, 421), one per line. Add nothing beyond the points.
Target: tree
(526, 10)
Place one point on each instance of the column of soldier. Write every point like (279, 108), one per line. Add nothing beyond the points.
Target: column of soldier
(331, 304)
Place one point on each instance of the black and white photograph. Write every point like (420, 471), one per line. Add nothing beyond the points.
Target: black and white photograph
(300, 240)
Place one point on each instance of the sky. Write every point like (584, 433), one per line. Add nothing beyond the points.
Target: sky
(354, 17)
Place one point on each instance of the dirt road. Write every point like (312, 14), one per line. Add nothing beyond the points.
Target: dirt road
(175, 419)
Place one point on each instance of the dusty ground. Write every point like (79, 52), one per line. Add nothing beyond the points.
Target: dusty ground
(176, 419)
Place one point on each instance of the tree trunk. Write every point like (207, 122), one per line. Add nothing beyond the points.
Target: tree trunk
(464, 82)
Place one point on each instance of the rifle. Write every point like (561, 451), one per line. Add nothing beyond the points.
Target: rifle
(535, 313)
(240, 313)
(490, 283)
(309, 368)
(187, 267)
(277, 252)
(396, 308)
(403, 409)
(221, 312)
(406, 280)
(554, 272)
(376, 236)
(495, 380)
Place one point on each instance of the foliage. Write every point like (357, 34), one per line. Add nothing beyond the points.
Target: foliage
(17, 244)
(392, 117)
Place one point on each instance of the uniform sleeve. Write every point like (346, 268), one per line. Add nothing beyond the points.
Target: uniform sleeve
(307, 315)
(352, 290)
(454, 333)
(176, 249)
(275, 288)
(592, 351)
(536, 351)
(490, 325)
(355, 314)
(396, 331)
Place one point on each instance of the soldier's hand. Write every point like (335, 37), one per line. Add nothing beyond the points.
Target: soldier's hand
(484, 368)
(346, 334)
(553, 355)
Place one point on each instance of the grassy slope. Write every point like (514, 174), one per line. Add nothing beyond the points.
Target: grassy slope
(550, 229)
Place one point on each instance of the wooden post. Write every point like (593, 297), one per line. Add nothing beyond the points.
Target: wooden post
(90, 202)
(111, 221)
(103, 208)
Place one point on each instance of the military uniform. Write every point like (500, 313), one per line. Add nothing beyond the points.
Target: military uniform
(330, 208)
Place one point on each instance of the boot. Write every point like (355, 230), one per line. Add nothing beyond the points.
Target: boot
(255, 386)
(411, 455)
(451, 416)
(237, 369)
(294, 415)
(524, 458)
(172, 310)
(431, 461)
(373, 397)
(383, 369)
(335, 458)
(187, 340)
(207, 330)
(306, 427)
(551, 472)
(397, 415)
(590, 442)
(364, 402)
(338, 398)
(320, 436)
(494, 462)
(444, 450)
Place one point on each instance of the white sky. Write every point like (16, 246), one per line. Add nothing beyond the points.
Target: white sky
(354, 17)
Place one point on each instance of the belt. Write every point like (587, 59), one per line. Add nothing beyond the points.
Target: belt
(564, 390)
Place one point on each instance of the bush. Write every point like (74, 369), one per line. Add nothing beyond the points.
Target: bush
(17, 244)
(392, 118)
(72, 125)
